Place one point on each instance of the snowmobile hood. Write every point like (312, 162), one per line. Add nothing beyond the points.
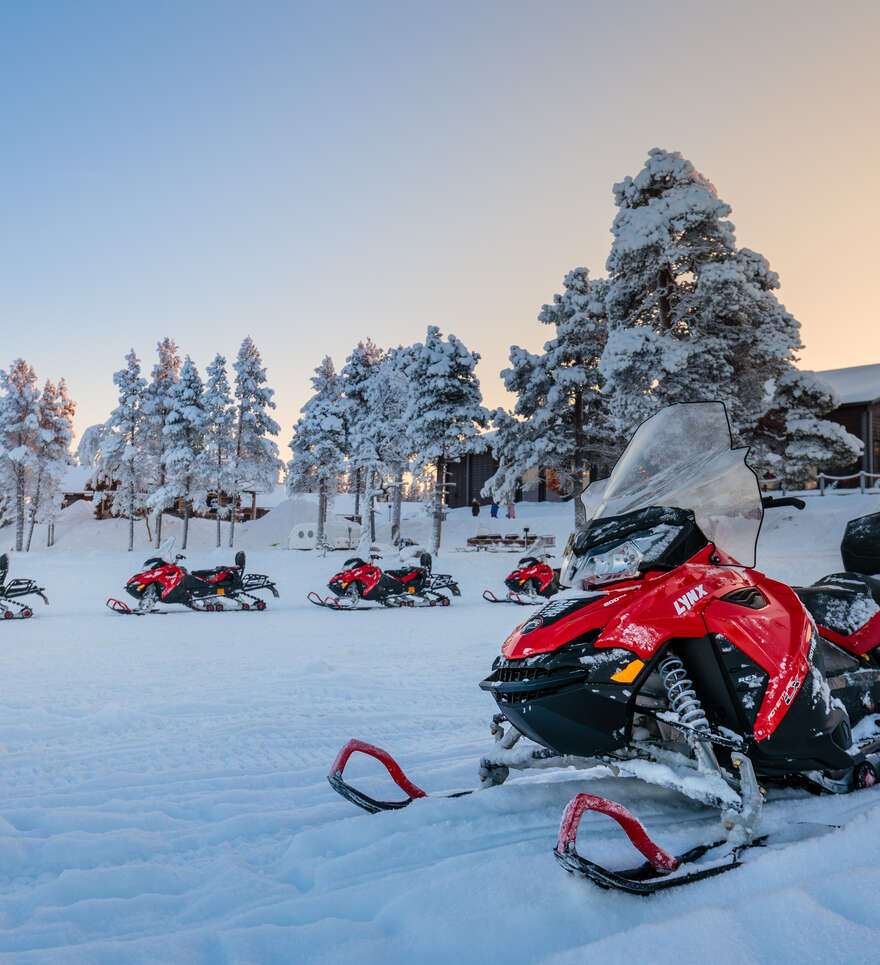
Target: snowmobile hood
(639, 615)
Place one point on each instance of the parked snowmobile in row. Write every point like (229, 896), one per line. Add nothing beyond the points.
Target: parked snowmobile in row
(361, 585)
(533, 581)
(218, 589)
(671, 661)
(10, 608)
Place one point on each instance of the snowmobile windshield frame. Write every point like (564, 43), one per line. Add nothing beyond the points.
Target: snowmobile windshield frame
(684, 457)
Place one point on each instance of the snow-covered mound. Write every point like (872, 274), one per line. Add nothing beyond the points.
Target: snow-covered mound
(163, 792)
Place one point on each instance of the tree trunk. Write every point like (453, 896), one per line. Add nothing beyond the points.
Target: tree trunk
(158, 528)
(357, 492)
(33, 513)
(218, 521)
(232, 520)
(438, 504)
(322, 509)
(372, 506)
(131, 522)
(19, 509)
(396, 500)
(185, 523)
(664, 285)
(579, 484)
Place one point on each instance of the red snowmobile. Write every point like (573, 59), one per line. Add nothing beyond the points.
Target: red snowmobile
(364, 583)
(10, 609)
(533, 581)
(671, 661)
(222, 588)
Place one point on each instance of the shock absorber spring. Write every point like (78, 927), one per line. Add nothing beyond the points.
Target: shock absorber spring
(682, 696)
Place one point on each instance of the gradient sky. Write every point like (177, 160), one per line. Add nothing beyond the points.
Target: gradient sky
(313, 173)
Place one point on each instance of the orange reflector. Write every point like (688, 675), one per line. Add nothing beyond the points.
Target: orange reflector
(629, 672)
(220, 591)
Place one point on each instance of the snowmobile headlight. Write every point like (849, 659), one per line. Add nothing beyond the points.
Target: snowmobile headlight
(620, 563)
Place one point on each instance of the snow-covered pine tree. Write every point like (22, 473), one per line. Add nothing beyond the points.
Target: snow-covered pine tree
(221, 415)
(563, 422)
(89, 449)
(319, 440)
(124, 459)
(19, 436)
(360, 423)
(157, 405)
(53, 457)
(386, 399)
(693, 317)
(791, 440)
(186, 428)
(254, 463)
(444, 411)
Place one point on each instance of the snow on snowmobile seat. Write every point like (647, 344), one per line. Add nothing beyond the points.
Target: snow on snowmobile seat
(842, 602)
(860, 547)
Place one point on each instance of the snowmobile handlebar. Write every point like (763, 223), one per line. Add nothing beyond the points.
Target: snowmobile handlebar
(774, 502)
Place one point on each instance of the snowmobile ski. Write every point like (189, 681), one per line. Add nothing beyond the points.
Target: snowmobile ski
(513, 597)
(341, 786)
(660, 871)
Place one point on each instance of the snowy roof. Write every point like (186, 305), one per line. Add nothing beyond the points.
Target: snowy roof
(859, 383)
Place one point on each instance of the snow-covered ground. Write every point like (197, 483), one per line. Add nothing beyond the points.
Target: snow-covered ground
(163, 792)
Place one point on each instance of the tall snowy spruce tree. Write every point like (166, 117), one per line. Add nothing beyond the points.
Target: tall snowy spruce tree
(157, 404)
(221, 414)
(444, 411)
(693, 317)
(124, 459)
(361, 423)
(254, 462)
(387, 398)
(186, 429)
(19, 436)
(52, 452)
(560, 420)
(319, 440)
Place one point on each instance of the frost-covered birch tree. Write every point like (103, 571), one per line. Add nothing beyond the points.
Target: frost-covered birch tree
(319, 440)
(221, 415)
(52, 451)
(186, 428)
(254, 462)
(124, 459)
(157, 404)
(19, 436)
(444, 411)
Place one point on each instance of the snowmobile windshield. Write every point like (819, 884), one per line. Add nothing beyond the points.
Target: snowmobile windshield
(683, 457)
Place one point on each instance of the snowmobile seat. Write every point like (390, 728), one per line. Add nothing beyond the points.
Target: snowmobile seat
(843, 602)
(860, 547)
(404, 575)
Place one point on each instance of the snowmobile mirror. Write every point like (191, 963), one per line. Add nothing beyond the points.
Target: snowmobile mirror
(239, 559)
(4, 568)
(179, 556)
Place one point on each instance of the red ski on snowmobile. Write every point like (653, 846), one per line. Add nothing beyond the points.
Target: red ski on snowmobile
(222, 588)
(671, 661)
(409, 586)
(533, 581)
(10, 609)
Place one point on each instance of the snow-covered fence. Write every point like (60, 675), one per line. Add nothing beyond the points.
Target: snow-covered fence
(867, 481)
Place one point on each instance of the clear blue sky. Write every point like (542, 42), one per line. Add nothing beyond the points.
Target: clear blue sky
(313, 173)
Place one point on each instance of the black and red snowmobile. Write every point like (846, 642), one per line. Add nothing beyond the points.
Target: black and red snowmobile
(672, 660)
(533, 581)
(10, 608)
(215, 590)
(361, 585)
